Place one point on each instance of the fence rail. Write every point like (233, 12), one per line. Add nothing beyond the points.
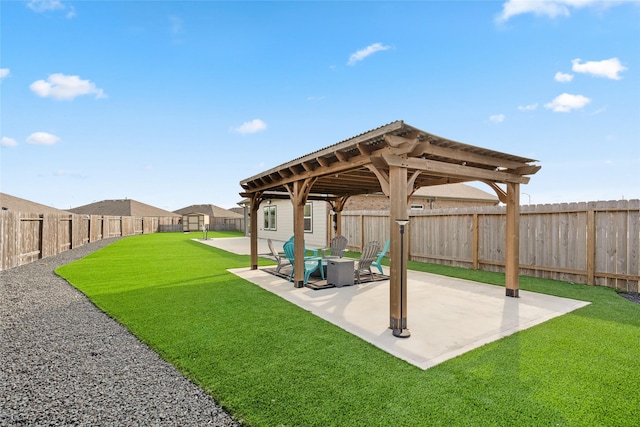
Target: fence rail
(596, 242)
(27, 237)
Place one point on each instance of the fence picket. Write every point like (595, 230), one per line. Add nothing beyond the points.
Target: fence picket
(568, 241)
(26, 237)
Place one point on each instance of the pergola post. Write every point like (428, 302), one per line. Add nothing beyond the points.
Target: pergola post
(512, 261)
(256, 198)
(337, 206)
(299, 193)
(399, 257)
(298, 237)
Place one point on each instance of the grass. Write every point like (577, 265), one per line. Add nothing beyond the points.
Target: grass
(271, 363)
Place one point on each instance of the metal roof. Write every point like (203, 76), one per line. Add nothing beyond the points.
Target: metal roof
(352, 166)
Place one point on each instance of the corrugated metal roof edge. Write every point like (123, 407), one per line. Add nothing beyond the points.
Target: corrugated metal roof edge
(372, 133)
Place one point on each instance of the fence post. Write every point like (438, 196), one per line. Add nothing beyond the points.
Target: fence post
(361, 232)
(591, 246)
(476, 241)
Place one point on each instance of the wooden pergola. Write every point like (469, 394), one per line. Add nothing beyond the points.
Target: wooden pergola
(396, 160)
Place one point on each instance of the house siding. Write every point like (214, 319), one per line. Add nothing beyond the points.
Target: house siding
(284, 223)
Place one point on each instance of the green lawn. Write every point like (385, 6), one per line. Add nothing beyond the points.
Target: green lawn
(271, 363)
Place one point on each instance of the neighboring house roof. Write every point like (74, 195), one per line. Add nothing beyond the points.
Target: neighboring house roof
(239, 211)
(211, 210)
(454, 191)
(17, 204)
(126, 207)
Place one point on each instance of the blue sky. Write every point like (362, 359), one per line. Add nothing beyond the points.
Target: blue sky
(174, 103)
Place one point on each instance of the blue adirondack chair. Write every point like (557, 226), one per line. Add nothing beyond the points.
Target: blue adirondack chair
(381, 255)
(314, 251)
(311, 264)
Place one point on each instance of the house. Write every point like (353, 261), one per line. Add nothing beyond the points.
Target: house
(12, 203)
(217, 218)
(122, 207)
(212, 211)
(276, 220)
(456, 195)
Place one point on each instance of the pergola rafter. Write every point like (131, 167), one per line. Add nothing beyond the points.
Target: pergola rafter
(396, 160)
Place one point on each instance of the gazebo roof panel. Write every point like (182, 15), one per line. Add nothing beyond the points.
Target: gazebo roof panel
(334, 174)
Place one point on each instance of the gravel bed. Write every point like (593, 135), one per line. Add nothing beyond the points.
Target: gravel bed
(631, 296)
(64, 362)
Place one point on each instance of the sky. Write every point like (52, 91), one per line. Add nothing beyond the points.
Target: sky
(173, 103)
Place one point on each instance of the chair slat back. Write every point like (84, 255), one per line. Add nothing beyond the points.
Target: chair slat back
(369, 253)
(272, 249)
(338, 245)
(289, 250)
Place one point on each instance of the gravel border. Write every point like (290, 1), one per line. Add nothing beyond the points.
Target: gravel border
(64, 362)
(631, 296)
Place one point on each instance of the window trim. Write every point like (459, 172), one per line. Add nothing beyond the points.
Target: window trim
(309, 217)
(269, 218)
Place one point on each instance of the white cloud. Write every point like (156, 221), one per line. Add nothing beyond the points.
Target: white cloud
(550, 8)
(529, 107)
(7, 142)
(600, 110)
(176, 24)
(70, 173)
(45, 5)
(60, 86)
(42, 138)
(4, 72)
(608, 68)
(255, 125)
(562, 77)
(497, 118)
(567, 102)
(40, 6)
(363, 53)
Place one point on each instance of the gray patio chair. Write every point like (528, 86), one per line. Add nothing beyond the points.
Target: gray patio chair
(369, 253)
(338, 246)
(281, 258)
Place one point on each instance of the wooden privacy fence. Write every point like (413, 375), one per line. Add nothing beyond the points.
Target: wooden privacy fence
(26, 237)
(215, 224)
(226, 224)
(596, 242)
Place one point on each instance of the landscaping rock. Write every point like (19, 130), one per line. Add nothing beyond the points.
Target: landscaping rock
(64, 362)
(631, 296)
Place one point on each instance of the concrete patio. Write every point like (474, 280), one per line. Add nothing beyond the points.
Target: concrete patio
(446, 316)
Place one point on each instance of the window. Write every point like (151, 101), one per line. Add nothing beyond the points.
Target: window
(308, 218)
(269, 218)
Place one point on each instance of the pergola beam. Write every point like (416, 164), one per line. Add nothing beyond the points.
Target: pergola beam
(433, 167)
(333, 168)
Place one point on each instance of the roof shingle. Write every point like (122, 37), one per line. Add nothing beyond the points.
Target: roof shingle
(123, 207)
